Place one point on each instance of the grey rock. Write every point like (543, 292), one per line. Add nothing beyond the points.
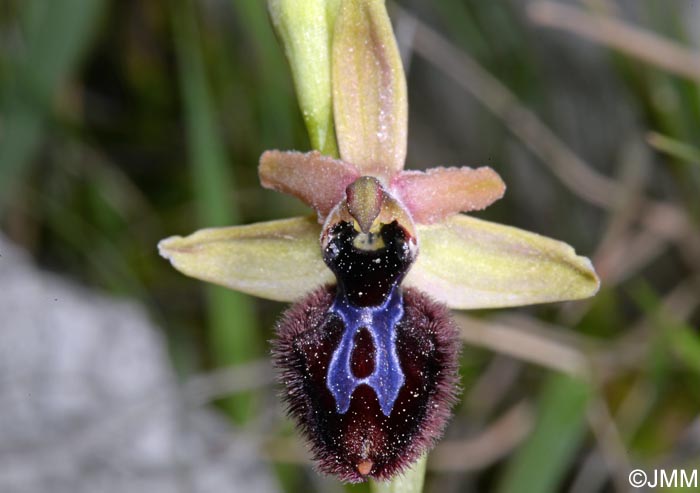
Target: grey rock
(89, 403)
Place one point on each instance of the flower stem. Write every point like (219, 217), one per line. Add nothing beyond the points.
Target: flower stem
(410, 481)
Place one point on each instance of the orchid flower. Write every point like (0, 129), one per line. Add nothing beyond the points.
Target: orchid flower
(368, 352)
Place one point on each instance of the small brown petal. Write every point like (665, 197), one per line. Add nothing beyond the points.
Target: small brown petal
(317, 180)
(437, 193)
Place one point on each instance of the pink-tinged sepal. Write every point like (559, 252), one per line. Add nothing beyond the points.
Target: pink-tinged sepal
(317, 180)
(433, 195)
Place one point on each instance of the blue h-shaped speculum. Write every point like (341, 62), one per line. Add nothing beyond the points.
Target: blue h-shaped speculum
(380, 321)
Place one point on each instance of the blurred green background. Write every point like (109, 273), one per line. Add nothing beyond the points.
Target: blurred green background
(123, 122)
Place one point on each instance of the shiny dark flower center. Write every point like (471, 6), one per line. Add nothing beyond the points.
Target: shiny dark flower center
(369, 268)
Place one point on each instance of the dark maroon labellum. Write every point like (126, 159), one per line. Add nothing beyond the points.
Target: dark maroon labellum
(368, 298)
(370, 370)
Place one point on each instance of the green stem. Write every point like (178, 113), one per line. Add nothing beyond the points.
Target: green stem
(409, 482)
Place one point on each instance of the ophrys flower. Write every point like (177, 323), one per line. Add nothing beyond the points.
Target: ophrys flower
(369, 353)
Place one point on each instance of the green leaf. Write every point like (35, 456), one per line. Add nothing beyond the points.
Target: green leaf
(676, 148)
(277, 260)
(673, 336)
(540, 463)
(305, 28)
(470, 263)
(369, 89)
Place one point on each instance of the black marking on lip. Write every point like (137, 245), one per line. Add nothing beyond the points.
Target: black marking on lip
(366, 277)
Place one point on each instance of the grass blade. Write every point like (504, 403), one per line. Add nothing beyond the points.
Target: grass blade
(232, 332)
(675, 148)
(541, 462)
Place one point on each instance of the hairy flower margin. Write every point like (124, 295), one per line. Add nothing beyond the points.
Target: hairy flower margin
(380, 393)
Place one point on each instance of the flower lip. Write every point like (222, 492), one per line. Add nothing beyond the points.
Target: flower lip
(365, 441)
(369, 259)
(380, 321)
